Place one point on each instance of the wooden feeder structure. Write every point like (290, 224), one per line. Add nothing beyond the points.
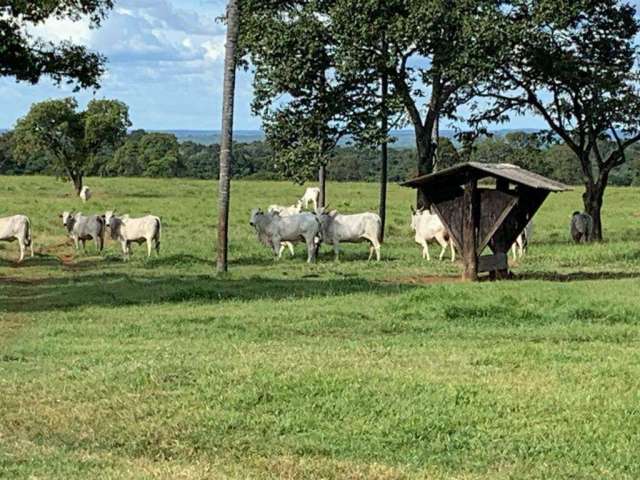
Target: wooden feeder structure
(485, 205)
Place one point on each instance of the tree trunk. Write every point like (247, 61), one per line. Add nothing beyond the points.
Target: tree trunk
(77, 183)
(322, 181)
(227, 133)
(593, 199)
(383, 160)
(425, 151)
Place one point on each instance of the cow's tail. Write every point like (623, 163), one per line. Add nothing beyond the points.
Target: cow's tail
(27, 234)
(158, 234)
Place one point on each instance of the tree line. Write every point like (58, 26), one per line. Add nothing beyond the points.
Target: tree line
(153, 154)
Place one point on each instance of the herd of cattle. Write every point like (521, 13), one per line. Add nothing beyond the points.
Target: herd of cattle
(278, 228)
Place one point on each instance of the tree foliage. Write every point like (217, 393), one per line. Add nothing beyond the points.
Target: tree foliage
(27, 58)
(70, 138)
(574, 66)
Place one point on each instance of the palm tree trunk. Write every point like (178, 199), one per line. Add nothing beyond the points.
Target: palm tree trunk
(226, 141)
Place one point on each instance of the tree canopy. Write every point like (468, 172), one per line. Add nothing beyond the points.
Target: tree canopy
(576, 67)
(28, 58)
(70, 138)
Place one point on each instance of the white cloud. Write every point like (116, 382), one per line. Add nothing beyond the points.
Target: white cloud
(165, 60)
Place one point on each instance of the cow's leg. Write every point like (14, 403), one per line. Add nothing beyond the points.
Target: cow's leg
(276, 245)
(282, 247)
(84, 246)
(291, 250)
(75, 244)
(311, 249)
(149, 246)
(425, 250)
(453, 250)
(336, 250)
(21, 245)
(31, 247)
(514, 251)
(376, 247)
(443, 243)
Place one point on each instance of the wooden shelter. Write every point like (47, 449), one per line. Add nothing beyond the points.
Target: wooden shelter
(485, 205)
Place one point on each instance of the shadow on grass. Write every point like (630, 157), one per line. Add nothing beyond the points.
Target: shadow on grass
(115, 289)
(575, 276)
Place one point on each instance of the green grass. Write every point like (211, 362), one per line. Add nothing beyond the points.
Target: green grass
(392, 370)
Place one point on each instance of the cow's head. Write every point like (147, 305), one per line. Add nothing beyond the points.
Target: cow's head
(108, 215)
(255, 214)
(68, 219)
(415, 215)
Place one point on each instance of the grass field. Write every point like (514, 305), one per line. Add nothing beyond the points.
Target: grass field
(392, 370)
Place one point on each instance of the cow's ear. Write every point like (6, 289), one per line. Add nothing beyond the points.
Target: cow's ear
(413, 210)
(333, 213)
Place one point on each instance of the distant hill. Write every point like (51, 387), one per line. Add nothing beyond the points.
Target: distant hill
(404, 138)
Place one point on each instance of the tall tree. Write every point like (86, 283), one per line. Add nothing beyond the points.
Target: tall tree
(301, 100)
(576, 67)
(27, 58)
(434, 51)
(226, 143)
(68, 137)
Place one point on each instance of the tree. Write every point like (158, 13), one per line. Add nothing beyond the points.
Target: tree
(70, 138)
(432, 51)
(574, 66)
(305, 128)
(233, 27)
(28, 59)
(435, 51)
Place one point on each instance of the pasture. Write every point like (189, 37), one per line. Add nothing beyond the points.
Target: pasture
(392, 370)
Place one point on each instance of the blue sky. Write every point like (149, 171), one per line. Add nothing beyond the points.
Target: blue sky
(165, 61)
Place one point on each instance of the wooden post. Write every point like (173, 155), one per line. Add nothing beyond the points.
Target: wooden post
(500, 246)
(470, 223)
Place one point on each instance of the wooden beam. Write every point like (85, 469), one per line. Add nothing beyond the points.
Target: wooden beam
(470, 223)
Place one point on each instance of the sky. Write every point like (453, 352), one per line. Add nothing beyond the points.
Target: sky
(165, 60)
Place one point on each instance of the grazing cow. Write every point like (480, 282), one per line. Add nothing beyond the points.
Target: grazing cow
(336, 228)
(273, 230)
(428, 226)
(81, 229)
(311, 194)
(285, 212)
(17, 227)
(85, 194)
(522, 242)
(581, 227)
(127, 230)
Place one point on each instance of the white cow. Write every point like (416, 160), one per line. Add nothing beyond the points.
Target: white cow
(17, 227)
(311, 194)
(127, 230)
(522, 242)
(82, 228)
(356, 228)
(285, 212)
(273, 230)
(85, 194)
(428, 226)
